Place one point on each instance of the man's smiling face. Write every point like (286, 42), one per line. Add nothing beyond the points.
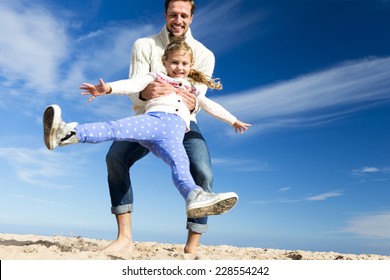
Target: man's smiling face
(178, 17)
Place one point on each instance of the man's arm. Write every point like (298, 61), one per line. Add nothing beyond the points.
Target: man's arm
(139, 66)
(140, 59)
(204, 62)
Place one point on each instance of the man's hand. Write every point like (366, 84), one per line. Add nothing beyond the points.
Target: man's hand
(157, 89)
(160, 88)
(188, 98)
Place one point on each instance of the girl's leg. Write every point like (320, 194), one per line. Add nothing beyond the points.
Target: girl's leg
(162, 133)
(145, 127)
(198, 202)
(135, 128)
(169, 147)
(59, 133)
(172, 152)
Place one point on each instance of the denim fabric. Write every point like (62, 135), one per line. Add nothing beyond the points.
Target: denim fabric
(122, 155)
(200, 168)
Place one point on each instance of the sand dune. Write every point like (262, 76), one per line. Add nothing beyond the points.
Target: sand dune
(33, 247)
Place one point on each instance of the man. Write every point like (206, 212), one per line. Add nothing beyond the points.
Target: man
(146, 57)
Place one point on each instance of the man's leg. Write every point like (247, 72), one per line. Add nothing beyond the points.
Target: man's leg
(124, 240)
(200, 167)
(120, 157)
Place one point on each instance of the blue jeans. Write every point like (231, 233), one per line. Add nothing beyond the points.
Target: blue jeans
(122, 155)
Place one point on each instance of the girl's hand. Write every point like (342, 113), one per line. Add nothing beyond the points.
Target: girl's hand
(95, 90)
(241, 127)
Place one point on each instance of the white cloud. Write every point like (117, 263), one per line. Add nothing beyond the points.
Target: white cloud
(34, 43)
(261, 202)
(371, 174)
(45, 55)
(365, 170)
(324, 196)
(46, 59)
(37, 200)
(240, 165)
(105, 53)
(210, 21)
(42, 167)
(319, 197)
(370, 225)
(314, 99)
(369, 170)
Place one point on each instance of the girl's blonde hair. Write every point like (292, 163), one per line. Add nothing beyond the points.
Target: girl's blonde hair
(194, 75)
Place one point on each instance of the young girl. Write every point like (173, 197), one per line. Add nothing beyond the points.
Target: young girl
(160, 129)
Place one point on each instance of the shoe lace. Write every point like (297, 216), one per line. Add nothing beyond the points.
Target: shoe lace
(64, 133)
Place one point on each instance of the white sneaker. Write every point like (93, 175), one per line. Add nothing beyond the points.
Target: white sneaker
(55, 131)
(202, 204)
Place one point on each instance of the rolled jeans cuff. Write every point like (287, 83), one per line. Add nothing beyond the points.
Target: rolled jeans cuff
(198, 228)
(122, 209)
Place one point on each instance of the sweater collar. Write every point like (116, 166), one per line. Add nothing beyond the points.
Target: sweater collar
(164, 34)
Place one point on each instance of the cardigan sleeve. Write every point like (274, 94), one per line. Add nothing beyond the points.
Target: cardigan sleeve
(131, 86)
(216, 110)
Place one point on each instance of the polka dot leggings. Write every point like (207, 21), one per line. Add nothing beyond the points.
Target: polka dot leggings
(162, 133)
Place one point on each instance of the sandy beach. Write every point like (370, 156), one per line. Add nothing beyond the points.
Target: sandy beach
(33, 247)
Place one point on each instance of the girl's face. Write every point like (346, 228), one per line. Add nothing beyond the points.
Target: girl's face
(178, 64)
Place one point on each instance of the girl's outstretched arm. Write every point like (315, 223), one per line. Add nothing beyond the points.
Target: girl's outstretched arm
(218, 111)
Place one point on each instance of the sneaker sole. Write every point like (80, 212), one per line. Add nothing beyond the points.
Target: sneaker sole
(216, 208)
(51, 122)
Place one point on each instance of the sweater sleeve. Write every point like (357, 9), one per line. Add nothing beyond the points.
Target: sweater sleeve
(216, 110)
(205, 63)
(140, 60)
(139, 66)
(131, 86)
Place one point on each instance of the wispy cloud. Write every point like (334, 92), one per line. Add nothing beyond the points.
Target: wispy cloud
(324, 196)
(364, 170)
(39, 45)
(48, 57)
(41, 167)
(240, 165)
(37, 200)
(261, 202)
(371, 174)
(318, 197)
(368, 170)
(210, 23)
(314, 99)
(370, 225)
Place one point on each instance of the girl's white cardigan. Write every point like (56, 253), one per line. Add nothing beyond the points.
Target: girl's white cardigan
(170, 103)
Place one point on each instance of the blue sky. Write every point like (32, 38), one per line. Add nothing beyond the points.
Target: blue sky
(312, 77)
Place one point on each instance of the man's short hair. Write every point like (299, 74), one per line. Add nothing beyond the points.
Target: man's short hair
(192, 2)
